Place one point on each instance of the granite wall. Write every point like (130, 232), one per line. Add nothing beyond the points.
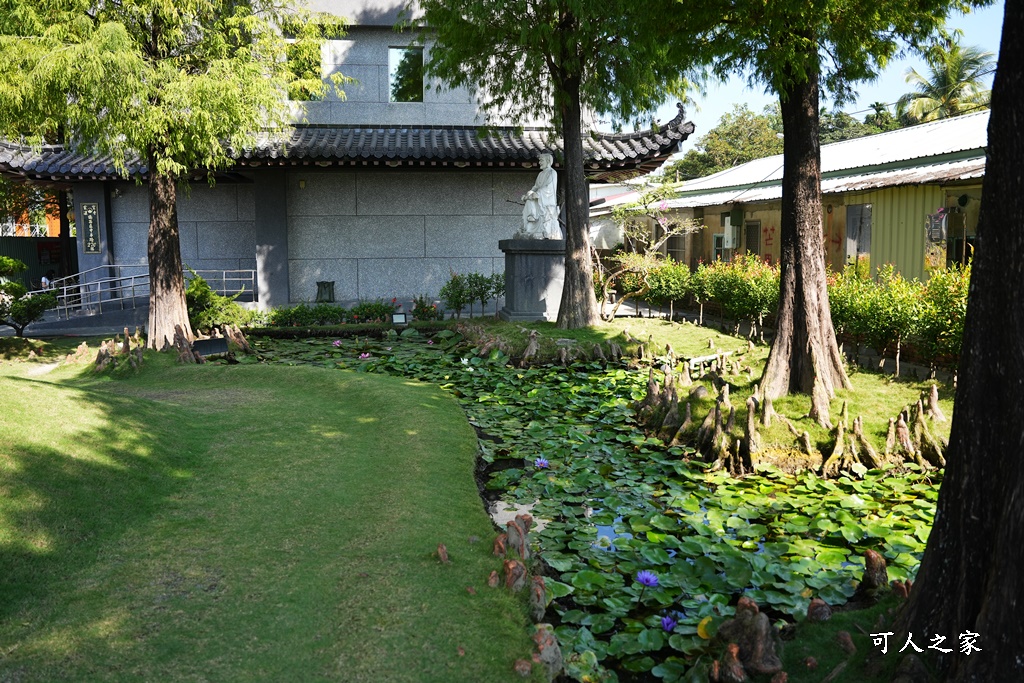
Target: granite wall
(380, 234)
(375, 233)
(217, 225)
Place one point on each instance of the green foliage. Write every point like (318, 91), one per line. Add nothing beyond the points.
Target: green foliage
(945, 309)
(304, 315)
(478, 288)
(746, 288)
(894, 310)
(615, 52)
(740, 136)
(425, 309)
(378, 311)
(9, 267)
(455, 294)
(207, 309)
(669, 282)
(835, 126)
(18, 309)
(953, 86)
(185, 82)
(780, 44)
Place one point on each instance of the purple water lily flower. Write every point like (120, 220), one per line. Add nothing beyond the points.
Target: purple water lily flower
(668, 623)
(364, 356)
(541, 463)
(337, 343)
(647, 579)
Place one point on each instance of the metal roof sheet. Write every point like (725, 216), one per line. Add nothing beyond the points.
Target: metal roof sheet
(934, 173)
(915, 143)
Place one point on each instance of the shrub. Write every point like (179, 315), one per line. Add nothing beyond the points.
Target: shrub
(848, 294)
(454, 293)
(425, 309)
(669, 282)
(746, 288)
(497, 289)
(18, 309)
(945, 308)
(300, 315)
(373, 311)
(478, 288)
(895, 308)
(207, 309)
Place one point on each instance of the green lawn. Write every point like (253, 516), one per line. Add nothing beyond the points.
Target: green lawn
(243, 523)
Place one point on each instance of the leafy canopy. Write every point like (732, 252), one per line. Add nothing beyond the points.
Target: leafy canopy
(523, 54)
(183, 81)
(740, 136)
(953, 85)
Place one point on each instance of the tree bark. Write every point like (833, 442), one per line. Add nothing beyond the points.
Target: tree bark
(804, 357)
(166, 279)
(969, 579)
(578, 307)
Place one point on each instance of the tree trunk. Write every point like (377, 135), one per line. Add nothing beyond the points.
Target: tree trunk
(804, 357)
(166, 280)
(969, 581)
(578, 307)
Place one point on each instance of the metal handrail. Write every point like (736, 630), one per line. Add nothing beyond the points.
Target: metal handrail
(77, 295)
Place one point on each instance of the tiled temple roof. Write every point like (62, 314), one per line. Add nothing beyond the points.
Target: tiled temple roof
(608, 157)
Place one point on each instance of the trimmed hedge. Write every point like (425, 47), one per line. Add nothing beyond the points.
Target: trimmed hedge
(888, 313)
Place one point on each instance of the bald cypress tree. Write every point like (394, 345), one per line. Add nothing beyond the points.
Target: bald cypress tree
(173, 85)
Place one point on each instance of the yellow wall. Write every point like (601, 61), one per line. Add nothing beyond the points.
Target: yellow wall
(898, 220)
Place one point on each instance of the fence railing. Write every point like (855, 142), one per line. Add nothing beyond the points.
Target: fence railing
(122, 287)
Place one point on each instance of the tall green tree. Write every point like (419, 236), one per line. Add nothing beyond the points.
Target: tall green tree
(954, 84)
(740, 136)
(796, 47)
(881, 118)
(175, 85)
(968, 588)
(552, 60)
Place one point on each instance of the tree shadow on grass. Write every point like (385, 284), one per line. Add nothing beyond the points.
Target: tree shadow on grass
(64, 503)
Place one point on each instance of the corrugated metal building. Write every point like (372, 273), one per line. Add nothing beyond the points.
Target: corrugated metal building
(881, 200)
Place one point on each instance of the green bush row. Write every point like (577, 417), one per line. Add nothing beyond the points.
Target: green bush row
(207, 309)
(466, 289)
(888, 313)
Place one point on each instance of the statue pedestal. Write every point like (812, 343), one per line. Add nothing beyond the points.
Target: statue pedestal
(534, 272)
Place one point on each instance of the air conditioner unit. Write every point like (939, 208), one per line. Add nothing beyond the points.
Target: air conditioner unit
(729, 234)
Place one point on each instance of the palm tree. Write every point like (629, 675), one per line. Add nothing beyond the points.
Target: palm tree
(881, 118)
(953, 86)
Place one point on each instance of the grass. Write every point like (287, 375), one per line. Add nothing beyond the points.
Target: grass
(231, 523)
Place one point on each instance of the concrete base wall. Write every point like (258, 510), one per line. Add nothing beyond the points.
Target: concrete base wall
(534, 273)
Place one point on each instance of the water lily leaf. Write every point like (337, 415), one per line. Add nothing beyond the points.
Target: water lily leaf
(557, 589)
(671, 670)
(665, 523)
(832, 556)
(588, 580)
(651, 639)
(557, 561)
(655, 555)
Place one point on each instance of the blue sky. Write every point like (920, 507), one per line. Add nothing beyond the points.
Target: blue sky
(981, 28)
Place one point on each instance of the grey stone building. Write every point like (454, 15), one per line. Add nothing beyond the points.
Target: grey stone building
(383, 193)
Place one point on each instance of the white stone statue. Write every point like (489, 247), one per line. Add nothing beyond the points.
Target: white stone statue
(540, 210)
